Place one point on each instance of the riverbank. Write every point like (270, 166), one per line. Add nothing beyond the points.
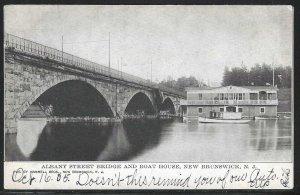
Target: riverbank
(83, 119)
(98, 119)
(149, 116)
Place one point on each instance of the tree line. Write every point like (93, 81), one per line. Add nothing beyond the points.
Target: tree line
(259, 75)
(182, 82)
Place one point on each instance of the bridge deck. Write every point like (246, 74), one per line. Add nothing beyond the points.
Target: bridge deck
(29, 47)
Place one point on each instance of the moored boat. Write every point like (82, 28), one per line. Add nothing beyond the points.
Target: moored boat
(221, 120)
(225, 117)
(188, 120)
(286, 117)
(266, 118)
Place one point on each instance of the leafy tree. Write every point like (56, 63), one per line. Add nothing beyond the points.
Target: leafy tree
(226, 76)
(258, 75)
(237, 76)
(182, 82)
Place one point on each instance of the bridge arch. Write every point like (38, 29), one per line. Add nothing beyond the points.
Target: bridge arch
(52, 83)
(139, 101)
(168, 105)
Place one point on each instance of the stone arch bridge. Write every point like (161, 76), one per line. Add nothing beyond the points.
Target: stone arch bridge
(34, 73)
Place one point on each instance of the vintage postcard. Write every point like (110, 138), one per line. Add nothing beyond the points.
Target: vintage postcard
(148, 97)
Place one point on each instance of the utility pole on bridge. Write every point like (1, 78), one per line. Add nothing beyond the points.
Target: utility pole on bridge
(62, 48)
(151, 70)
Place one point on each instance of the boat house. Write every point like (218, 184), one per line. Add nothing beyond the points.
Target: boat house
(250, 101)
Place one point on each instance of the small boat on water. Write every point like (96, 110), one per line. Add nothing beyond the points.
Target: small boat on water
(266, 118)
(219, 120)
(286, 117)
(186, 120)
(226, 117)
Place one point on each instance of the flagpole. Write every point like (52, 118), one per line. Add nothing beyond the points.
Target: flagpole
(151, 70)
(273, 75)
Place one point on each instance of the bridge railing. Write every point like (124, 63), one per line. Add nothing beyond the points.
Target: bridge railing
(33, 48)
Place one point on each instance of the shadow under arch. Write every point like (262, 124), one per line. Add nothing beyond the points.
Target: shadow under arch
(168, 105)
(70, 98)
(71, 142)
(139, 102)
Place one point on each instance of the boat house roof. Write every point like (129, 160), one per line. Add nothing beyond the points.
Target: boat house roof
(232, 89)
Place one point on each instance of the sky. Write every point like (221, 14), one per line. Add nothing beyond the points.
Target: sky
(177, 40)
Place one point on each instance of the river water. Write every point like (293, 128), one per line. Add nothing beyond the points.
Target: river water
(151, 141)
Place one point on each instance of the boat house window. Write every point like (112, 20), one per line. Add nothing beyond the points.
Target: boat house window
(262, 109)
(240, 109)
(221, 109)
(240, 96)
(271, 96)
(221, 95)
(200, 96)
(253, 96)
(200, 110)
(262, 95)
(231, 109)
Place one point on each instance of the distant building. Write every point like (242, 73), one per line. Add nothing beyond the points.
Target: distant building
(249, 100)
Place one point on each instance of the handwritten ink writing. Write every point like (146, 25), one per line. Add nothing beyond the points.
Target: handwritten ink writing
(44, 177)
(254, 178)
(259, 180)
(143, 180)
(223, 179)
(84, 179)
(170, 181)
(201, 180)
(21, 176)
(134, 180)
(285, 174)
(238, 178)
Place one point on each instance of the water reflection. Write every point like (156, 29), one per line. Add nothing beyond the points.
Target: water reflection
(39, 141)
(32, 137)
(271, 135)
(150, 140)
(117, 144)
